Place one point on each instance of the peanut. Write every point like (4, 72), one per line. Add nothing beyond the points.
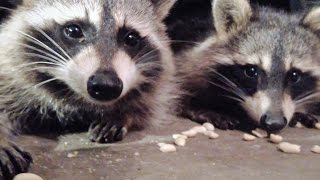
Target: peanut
(180, 141)
(176, 136)
(249, 137)
(199, 129)
(276, 138)
(289, 148)
(211, 134)
(316, 149)
(190, 133)
(208, 126)
(258, 134)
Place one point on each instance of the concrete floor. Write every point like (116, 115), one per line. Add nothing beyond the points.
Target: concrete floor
(138, 157)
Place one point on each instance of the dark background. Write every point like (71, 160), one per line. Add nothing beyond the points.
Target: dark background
(191, 20)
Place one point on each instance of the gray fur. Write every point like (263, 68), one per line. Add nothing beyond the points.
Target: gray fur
(275, 42)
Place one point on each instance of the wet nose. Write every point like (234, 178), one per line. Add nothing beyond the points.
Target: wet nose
(104, 86)
(272, 123)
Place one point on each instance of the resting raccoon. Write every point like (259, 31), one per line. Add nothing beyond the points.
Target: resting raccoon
(260, 69)
(68, 65)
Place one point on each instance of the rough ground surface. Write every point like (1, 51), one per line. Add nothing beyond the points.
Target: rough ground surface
(138, 157)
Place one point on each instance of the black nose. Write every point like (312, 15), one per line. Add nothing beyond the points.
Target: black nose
(104, 86)
(273, 123)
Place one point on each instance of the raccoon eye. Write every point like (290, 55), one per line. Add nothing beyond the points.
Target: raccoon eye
(132, 40)
(251, 71)
(295, 76)
(73, 31)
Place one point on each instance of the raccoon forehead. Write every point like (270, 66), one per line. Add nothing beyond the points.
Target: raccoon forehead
(61, 12)
(302, 51)
(262, 60)
(137, 14)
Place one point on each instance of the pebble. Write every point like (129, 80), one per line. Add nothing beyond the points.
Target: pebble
(27, 176)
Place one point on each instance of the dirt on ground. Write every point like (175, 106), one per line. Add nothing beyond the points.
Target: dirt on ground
(74, 157)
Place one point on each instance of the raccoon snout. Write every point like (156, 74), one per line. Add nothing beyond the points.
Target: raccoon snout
(272, 123)
(104, 86)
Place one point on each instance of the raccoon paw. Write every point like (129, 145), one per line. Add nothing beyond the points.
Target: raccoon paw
(13, 161)
(106, 132)
(218, 120)
(307, 120)
(224, 123)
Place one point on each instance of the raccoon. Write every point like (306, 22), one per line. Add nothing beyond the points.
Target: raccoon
(261, 69)
(75, 65)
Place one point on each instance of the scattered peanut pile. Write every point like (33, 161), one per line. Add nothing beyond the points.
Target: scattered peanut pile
(207, 129)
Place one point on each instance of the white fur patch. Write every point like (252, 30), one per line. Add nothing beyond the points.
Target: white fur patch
(266, 62)
(288, 107)
(77, 71)
(257, 105)
(126, 70)
(62, 13)
(204, 45)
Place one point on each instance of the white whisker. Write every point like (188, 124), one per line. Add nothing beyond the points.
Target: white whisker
(307, 98)
(41, 44)
(228, 89)
(43, 52)
(40, 68)
(44, 58)
(45, 82)
(54, 43)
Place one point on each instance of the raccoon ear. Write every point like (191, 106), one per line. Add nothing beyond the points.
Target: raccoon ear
(163, 7)
(230, 15)
(312, 20)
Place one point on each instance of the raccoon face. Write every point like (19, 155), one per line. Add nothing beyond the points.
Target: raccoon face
(92, 51)
(271, 69)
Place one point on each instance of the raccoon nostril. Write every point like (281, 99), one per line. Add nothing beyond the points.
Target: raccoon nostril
(273, 123)
(104, 86)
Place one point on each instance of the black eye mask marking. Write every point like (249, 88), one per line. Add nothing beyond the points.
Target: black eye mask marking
(248, 78)
(299, 83)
